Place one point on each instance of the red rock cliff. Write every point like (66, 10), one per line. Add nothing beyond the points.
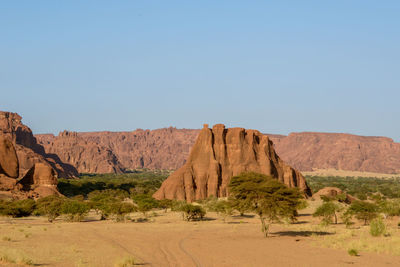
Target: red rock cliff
(219, 154)
(306, 151)
(85, 155)
(28, 150)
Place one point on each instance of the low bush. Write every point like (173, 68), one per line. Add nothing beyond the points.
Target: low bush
(193, 212)
(145, 203)
(377, 227)
(50, 206)
(17, 208)
(352, 252)
(126, 262)
(75, 210)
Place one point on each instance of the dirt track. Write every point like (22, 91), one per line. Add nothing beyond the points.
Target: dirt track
(171, 242)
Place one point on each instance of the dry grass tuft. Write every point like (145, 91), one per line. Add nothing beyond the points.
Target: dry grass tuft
(125, 262)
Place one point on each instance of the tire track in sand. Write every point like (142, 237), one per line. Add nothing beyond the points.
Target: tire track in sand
(169, 257)
(191, 256)
(118, 244)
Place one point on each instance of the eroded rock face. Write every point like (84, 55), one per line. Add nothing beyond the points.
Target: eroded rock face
(166, 148)
(28, 150)
(39, 181)
(85, 156)
(307, 151)
(221, 153)
(8, 158)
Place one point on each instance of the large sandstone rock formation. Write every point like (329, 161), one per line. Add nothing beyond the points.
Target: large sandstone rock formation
(39, 181)
(85, 155)
(307, 151)
(219, 154)
(29, 152)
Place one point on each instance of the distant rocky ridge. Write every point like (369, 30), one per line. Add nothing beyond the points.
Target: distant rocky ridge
(168, 148)
(28, 150)
(217, 156)
(85, 155)
(309, 150)
(165, 148)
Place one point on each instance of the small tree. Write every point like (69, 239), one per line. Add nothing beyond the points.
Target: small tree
(266, 196)
(50, 206)
(328, 211)
(364, 211)
(193, 212)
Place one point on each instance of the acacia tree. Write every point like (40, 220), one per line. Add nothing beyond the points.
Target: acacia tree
(363, 211)
(266, 196)
(328, 211)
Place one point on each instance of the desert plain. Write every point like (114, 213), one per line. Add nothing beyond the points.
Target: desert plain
(167, 240)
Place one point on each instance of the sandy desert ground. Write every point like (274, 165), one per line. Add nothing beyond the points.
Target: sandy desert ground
(169, 241)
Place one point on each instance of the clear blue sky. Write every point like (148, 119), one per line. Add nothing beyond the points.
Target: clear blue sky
(275, 66)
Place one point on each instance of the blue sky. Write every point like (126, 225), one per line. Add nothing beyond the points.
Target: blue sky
(275, 66)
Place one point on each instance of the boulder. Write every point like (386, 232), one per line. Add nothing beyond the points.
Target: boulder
(29, 152)
(39, 181)
(220, 154)
(333, 192)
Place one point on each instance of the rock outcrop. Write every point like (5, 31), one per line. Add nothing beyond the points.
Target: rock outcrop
(333, 192)
(307, 151)
(221, 153)
(166, 148)
(29, 152)
(39, 181)
(169, 148)
(85, 155)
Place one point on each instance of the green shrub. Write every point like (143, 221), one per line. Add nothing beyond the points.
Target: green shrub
(50, 206)
(193, 212)
(389, 208)
(352, 252)
(145, 203)
(377, 227)
(75, 210)
(120, 210)
(165, 204)
(17, 208)
(126, 262)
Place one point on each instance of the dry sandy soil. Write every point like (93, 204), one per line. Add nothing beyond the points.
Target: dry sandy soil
(169, 241)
